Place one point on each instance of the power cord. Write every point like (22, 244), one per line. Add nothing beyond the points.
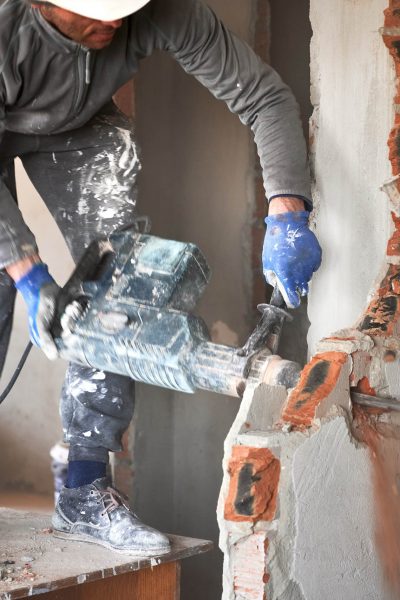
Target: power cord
(16, 373)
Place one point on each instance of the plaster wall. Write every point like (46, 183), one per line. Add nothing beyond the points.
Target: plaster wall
(330, 540)
(352, 93)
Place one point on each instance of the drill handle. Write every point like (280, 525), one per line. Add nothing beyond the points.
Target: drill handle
(94, 267)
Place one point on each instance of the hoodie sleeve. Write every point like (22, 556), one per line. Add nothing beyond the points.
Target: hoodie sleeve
(229, 68)
(16, 240)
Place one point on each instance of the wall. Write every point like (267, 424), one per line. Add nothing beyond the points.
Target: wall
(29, 422)
(352, 92)
(310, 488)
(290, 49)
(196, 185)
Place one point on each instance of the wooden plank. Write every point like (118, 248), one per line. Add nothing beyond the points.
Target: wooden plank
(41, 563)
(161, 583)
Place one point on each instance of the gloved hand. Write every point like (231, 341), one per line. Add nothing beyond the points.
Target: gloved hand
(40, 291)
(291, 254)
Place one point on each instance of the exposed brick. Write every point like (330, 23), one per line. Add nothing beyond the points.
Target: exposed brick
(391, 23)
(393, 246)
(317, 381)
(364, 387)
(254, 482)
(249, 567)
(382, 314)
(396, 287)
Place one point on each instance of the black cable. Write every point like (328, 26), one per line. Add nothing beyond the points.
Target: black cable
(16, 373)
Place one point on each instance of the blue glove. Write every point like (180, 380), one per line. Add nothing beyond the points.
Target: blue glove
(291, 254)
(40, 291)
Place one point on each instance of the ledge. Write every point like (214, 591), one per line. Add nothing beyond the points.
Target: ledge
(42, 563)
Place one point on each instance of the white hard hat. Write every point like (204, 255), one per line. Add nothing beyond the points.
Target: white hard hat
(101, 10)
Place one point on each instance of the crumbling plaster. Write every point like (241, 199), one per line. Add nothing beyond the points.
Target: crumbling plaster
(333, 529)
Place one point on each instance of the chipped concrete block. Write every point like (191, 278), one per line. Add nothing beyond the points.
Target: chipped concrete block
(253, 486)
(361, 366)
(377, 375)
(347, 341)
(265, 408)
(321, 519)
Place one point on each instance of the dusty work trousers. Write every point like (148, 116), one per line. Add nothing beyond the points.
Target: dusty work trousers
(86, 178)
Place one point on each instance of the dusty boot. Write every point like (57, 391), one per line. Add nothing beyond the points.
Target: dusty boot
(98, 513)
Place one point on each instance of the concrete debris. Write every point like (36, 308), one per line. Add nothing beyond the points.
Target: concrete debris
(347, 341)
(11, 572)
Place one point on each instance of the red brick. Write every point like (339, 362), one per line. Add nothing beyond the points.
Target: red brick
(382, 314)
(393, 246)
(249, 567)
(317, 381)
(253, 488)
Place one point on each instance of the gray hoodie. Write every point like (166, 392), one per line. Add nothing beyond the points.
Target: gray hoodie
(50, 84)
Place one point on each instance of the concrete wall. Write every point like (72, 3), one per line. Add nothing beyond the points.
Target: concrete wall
(352, 92)
(196, 185)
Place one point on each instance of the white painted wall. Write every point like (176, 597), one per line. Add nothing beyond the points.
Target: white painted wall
(352, 91)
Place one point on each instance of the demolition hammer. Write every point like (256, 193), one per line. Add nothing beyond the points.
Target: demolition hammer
(136, 294)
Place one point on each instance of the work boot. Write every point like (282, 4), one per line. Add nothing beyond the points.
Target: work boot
(99, 514)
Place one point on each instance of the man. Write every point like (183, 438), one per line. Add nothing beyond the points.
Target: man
(60, 64)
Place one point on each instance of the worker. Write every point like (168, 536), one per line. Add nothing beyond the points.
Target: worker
(60, 64)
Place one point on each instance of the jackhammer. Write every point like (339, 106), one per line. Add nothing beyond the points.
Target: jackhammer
(136, 294)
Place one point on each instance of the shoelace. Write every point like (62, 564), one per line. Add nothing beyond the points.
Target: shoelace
(112, 499)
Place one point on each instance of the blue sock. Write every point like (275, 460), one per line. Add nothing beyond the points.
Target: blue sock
(83, 472)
